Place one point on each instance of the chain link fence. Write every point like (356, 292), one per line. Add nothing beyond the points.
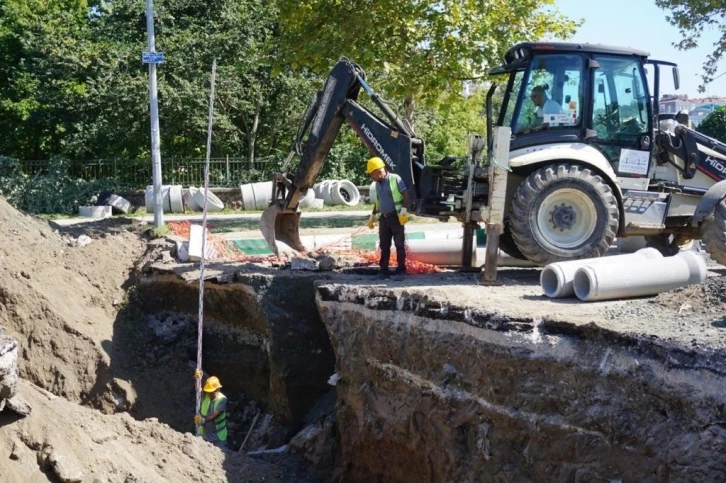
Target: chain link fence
(226, 172)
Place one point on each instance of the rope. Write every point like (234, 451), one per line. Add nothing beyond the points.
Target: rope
(200, 324)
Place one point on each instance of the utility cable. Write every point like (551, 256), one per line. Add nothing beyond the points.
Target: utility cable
(200, 323)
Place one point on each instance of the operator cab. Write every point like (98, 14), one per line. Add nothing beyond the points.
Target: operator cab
(570, 93)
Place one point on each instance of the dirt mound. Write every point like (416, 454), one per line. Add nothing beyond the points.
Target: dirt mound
(61, 441)
(59, 295)
(63, 295)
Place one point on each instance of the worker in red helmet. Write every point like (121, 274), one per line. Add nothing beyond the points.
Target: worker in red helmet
(212, 415)
(390, 201)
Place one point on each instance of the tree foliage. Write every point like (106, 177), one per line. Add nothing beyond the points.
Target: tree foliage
(414, 47)
(714, 125)
(693, 17)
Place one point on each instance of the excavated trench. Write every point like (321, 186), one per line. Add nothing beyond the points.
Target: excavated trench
(428, 389)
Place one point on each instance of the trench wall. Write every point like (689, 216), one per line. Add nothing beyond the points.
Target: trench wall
(434, 393)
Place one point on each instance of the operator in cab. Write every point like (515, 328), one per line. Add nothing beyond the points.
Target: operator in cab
(544, 106)
(390, 202)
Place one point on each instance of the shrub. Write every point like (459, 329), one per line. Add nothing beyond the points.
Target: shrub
(54, 191)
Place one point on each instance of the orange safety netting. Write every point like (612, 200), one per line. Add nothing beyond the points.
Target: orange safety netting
(222, 249)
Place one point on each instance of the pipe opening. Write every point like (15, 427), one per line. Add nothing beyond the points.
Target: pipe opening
(582, 283)
(550, 282)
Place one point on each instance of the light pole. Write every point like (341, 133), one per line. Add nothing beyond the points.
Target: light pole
(154, 107)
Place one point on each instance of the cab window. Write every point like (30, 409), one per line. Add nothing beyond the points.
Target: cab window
(551, 97)
(619, 106)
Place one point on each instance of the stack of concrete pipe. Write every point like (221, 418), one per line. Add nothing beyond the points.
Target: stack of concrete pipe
(257, 196)
(645, 272)
(175, 199)
(337, 192)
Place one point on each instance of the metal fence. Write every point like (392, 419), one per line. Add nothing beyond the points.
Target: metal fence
(223, 172)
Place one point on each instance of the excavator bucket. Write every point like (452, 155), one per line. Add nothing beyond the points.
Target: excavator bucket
(277, 223)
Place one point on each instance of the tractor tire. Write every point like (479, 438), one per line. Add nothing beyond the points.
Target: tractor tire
(563, 212)
(507, 245)
(713, 234)
(666, 244)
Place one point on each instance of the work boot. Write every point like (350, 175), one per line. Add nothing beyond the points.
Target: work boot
(383, 275)
(399, 276)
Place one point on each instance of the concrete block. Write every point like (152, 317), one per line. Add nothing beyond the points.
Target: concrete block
(95, 211)
(196, 234)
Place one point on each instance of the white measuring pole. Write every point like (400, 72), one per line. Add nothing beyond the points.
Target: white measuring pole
(155, 138)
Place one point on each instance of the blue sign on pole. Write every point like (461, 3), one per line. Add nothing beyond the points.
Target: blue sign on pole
(152, 57)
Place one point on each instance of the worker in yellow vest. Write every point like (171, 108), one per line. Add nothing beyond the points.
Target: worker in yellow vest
(390, 202)
(212, 415)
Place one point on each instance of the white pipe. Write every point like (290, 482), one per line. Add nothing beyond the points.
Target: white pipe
(447, 252)
(556, 278)
(639, 277)
(256, 196)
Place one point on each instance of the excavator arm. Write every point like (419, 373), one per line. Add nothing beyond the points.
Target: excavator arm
(390, 139)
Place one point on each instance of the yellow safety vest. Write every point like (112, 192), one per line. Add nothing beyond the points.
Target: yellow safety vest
(397, 195)
(220, 422)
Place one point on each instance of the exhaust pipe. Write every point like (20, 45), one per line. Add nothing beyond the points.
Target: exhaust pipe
(639, 277)
(557, 278)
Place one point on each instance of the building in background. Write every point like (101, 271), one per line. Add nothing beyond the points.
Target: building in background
(698, 108)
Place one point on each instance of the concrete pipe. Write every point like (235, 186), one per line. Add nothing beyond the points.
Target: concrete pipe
(307, 200)
(447, 252)
(557, 278)
(444, 252)
(316, 189)
(256, 196)
(631, 244)
(344, 192)
(325, 188)
(372, 193)
(639, 277)
(188, 197)
(149, 199)
(176, 201)
(95, 211)
(214, 204)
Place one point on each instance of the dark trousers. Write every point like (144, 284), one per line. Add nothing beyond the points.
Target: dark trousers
(390, 228)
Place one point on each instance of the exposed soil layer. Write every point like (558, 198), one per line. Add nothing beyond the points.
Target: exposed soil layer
(430, 391)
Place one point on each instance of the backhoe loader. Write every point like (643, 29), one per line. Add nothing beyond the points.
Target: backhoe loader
(590, 157)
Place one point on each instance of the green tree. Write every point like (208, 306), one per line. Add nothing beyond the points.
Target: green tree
(45, 57)
(692, 17)
(415, 48)
(714, 125)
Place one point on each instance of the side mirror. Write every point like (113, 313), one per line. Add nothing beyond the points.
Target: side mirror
(600, 88)
(568, 98)
(676, 78)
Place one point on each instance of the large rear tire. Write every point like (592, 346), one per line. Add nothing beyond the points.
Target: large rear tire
(563, 212)
(713, 234)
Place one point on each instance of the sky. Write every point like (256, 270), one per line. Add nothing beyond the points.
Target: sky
(641, 25)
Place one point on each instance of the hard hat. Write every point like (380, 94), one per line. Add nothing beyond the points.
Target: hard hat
(212, 384)
(374, 164)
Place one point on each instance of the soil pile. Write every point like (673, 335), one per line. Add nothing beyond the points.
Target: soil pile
(61, 295)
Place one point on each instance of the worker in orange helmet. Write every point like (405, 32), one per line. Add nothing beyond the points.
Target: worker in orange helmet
(212, 415)
(390, 201)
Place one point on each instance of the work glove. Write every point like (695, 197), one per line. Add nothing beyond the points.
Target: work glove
(371, 221)
(403, 216)
(198, 374)
(198, 420)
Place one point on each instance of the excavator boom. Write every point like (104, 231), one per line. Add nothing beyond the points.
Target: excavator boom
(334, 104)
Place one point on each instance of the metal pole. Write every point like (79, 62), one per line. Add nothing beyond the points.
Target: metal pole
(155, 138)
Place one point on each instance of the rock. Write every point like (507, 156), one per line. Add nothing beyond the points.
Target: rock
(315, 443)
(83, 240)
(303, 264)
(66, 470)
(19, 407)
(327, 263)
(8, 368)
